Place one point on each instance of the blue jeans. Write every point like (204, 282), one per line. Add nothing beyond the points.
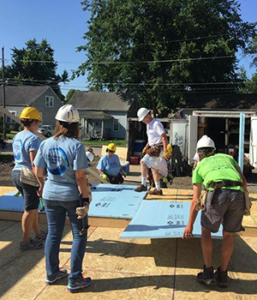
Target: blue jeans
(56, 214)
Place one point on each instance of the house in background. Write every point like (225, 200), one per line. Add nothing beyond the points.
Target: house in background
(104, 114)
(42, 98)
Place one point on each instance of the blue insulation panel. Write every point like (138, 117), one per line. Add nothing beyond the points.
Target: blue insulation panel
(114, 201)
(11, 202)
(162, 219)
(109, 201)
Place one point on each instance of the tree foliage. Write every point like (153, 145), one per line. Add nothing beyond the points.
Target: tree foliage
(35, 65)
(162, 48)
(69, 95)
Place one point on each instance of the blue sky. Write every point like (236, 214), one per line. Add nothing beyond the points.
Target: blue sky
(63, 24)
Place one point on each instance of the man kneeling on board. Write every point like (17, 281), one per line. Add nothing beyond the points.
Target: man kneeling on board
(224, 202)
(109, 166)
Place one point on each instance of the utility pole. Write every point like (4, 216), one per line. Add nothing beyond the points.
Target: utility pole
(3, 79)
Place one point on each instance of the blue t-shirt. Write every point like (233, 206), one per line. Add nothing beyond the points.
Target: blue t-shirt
(109, 165)
(61, 158)
(23, 143)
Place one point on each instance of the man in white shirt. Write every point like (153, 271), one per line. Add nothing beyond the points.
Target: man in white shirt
(155, 152)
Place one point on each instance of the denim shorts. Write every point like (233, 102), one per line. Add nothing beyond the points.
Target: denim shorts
(28, 192)
(227, 207)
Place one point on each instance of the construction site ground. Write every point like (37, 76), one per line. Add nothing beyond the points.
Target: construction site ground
(125, 269)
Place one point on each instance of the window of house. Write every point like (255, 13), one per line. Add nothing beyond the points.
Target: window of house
(49, 101)
(10, 120)
(115, 124)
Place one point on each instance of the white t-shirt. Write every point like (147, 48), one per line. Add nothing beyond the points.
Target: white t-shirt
(154, 131)
(196, 157)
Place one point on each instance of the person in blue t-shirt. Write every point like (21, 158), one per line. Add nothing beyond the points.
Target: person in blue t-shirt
(109, 166)
(65, 189)
(25, 146)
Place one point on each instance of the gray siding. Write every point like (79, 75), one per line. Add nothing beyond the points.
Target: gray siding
(121, 132)
(48, 113)
(109, 131)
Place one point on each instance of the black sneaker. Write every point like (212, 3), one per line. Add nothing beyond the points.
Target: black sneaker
(141, 188)
(31, 245)
(207, 276)
(221, 278)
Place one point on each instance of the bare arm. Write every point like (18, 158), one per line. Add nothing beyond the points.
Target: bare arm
(32, 155)
(197, 188)
(40, 174)
(81, 180)
(243, 178)
(164, 141)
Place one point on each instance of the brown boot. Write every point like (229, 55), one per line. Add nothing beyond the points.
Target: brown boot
(141, 188)
(155, 192)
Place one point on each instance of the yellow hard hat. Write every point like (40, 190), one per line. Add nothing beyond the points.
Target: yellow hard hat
(111, 147)
(30, 113)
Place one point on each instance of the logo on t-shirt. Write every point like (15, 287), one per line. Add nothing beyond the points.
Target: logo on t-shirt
(57, 161)
(17, 147)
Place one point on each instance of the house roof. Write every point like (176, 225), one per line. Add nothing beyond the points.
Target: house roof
(95, 115)
(229, 101)
(103, 101)
(21, 95)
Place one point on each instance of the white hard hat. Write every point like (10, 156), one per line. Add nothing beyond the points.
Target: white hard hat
(205, 142)
(68, 113)
(142, 112)
(90, 156)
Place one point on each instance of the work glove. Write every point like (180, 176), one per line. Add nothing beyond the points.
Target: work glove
(166, 155)
(144, 151)
(83, 210)
(17, 194)
(105, 177)
(124, 173)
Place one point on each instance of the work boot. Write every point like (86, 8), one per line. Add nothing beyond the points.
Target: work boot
(155, 192)
(221, 278)
(207, 276)
(141, 188)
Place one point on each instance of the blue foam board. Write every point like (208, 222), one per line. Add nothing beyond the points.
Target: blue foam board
(108, 201)
(114, 201)
(162, 219)
(11, 202)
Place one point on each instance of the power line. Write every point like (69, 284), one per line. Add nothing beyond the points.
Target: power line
(11, 80)
(140, 62)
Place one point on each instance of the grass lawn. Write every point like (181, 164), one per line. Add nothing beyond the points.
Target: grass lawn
(92, 143)
(10, 135)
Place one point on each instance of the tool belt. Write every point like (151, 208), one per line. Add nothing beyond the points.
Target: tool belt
(201, 201)
(224, 183)
(154, 150)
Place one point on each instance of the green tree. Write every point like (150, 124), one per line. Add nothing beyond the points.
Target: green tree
(162, 49)
(69, 95)
(35, 65)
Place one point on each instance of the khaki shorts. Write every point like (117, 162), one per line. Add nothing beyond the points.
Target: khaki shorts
(227, 208)
(159, 163)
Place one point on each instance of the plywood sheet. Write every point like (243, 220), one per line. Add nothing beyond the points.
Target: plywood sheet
(172, 195)
(162, 219)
